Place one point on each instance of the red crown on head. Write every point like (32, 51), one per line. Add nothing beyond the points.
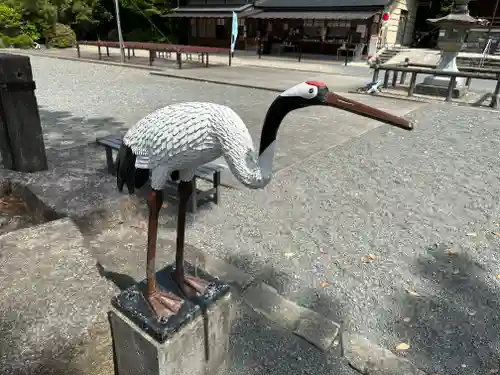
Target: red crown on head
(315, 83)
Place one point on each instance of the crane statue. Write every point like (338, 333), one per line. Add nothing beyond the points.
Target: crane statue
(173, 141)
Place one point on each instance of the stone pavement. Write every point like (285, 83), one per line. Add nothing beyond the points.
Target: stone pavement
(110, 230)
(325, 64)
(262, 78)
(112, 98)
(390, 231)
(53, 315)
(472, 98)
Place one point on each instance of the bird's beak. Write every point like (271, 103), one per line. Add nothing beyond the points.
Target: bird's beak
(338, 101)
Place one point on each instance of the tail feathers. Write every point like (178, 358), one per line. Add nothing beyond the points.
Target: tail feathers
(127, 173)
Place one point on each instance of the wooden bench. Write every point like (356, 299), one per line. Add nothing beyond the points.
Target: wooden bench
(209, 172)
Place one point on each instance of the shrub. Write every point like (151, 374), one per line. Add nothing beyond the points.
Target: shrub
(18, 41)
(112, 35)
(10, 19)
(12, 24)
(60, 36)
(169, 39)
(22, 41)
(139, 35)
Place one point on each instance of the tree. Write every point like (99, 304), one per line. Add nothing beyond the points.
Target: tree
(143, 19)
(147, 7)
(446, 6)
(12, 23)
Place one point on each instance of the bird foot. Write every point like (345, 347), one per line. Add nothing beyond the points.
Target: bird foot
(164, 305)
(191, 285)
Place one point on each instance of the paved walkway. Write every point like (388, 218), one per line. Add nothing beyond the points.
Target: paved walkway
(393, 231)
(264, 78)
(242, 58)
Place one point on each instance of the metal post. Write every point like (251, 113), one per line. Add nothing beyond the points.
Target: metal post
(394, 78)
(120, 35)
(451, 86)
(496, 95)
(386, 79)
(403, 74)
(413, 81)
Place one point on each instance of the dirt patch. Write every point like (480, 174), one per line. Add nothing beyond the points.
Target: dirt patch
(20, 208)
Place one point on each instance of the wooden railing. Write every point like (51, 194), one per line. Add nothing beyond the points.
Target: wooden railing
(155, 48)
(415, 69)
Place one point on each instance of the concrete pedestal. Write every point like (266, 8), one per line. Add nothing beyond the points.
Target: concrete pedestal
(194, 342)
(437, 88)
(438, 85)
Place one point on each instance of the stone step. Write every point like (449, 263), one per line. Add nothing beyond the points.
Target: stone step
(52, 299)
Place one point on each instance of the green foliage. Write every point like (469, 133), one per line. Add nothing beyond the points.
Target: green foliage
(60, 36)
(18, 41)
(446, 6)
(147, 7)
(13, 30)
(56, 21)
(139, 35)
(10, 18)
(169, 39)
(145, 35)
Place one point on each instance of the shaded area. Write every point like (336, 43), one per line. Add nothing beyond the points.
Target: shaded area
(389, 194)
(20, 208)
(61, 129)
(120, 280)
(258, 346)
(261, 346)
(127, 95)
(454, 312)
(51, 297)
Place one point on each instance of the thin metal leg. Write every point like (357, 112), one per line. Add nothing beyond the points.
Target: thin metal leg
(193, 202)
(163, 304)
(216, 184)
(187, 283)
(109, 160)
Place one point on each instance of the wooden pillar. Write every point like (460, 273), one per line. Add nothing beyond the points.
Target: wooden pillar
(21, 137)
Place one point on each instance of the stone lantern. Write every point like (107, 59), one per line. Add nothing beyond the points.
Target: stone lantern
(452, 33)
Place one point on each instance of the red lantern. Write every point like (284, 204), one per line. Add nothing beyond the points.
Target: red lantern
(386, 16)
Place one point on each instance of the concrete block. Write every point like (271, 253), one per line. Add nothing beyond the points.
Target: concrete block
(303, 322)
(194, 342)
(218, 268)
(51, 295)
(435, 90)
(371, 359)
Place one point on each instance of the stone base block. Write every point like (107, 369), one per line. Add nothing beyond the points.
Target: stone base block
(442, 91)
(194, 342)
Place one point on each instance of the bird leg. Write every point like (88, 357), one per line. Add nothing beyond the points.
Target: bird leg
(163, 304)
(188, 284)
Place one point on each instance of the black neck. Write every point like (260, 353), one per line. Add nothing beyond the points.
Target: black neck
(274, 117)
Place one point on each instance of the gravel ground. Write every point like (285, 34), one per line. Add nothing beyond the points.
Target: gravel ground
(406, 198)
(422, 203)
(110, 99)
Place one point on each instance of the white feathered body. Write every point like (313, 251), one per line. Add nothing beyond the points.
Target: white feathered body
(181, 137)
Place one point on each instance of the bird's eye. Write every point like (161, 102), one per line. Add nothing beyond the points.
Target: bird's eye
(311, 91)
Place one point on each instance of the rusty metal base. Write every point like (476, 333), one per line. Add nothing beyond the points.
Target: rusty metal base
(133, 305)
